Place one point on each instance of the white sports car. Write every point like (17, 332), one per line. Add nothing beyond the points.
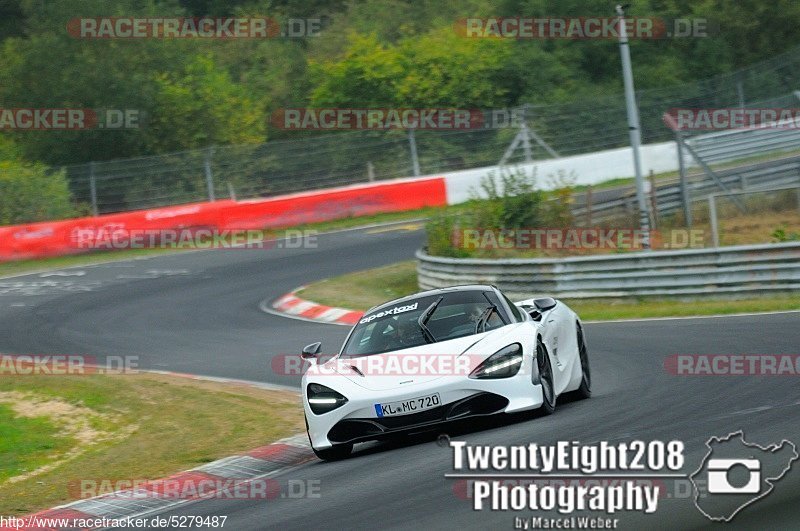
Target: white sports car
(439, 356)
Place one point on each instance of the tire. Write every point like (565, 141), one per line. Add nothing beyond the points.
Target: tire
(334, 453)
(545, 379)
(585, 390)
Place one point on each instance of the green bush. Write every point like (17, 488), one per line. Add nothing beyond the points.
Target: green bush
(506, 202)
(31, 192)
(441, 230)
(780, 235)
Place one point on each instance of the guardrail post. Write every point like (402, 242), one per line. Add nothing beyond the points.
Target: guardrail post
(687, 201)
(654, 198)
(370, 171)
(93, 188)
(712, 217)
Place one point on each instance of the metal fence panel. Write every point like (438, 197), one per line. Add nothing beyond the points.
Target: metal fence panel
(307, 160)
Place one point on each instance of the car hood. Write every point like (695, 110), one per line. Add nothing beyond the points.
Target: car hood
(412, 366)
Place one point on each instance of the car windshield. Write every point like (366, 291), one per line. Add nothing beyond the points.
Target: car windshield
(456, 314)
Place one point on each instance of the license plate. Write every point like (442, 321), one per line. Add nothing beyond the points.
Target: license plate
(406, 407)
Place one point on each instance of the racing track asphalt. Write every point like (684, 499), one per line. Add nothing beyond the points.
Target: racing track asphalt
(198, 312)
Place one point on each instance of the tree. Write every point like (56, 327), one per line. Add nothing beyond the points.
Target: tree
(32, 192)
(439, 69)
(201, 106)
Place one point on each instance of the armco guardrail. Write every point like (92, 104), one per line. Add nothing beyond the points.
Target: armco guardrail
(759, 176)
(692, 273)
(725, 146)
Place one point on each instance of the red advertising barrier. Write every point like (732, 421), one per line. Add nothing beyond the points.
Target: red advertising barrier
(56, 238)
(312, 207)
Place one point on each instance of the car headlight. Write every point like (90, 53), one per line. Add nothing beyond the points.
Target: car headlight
(504, 363)
(322, 399)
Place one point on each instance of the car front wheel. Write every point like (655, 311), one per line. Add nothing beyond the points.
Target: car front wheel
(545, 378)
(585, 390)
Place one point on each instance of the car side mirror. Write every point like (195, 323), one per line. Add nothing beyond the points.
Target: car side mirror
(532, 311)
(544, 304)
(311, 351)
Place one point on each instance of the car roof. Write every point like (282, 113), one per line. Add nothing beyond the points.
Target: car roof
(437, 291)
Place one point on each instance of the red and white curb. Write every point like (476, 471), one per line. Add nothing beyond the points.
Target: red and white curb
(224, 479)
(290, 305)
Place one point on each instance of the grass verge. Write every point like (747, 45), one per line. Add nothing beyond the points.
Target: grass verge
(363, 289)
(28, 443)
(56, 431)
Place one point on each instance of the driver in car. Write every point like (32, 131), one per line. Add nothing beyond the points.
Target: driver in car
(407, 333)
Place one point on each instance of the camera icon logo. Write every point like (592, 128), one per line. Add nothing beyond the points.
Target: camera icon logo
(719, 471)
(735, 474)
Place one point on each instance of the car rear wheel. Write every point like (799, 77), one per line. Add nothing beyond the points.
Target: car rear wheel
(545, 379)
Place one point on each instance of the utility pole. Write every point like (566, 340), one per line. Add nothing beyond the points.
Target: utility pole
(633, 127)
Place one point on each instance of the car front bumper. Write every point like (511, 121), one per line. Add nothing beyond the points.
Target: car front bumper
(461, 398)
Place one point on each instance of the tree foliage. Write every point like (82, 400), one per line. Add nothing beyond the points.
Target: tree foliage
(404, 53)
(32, 192)
(201, 106)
